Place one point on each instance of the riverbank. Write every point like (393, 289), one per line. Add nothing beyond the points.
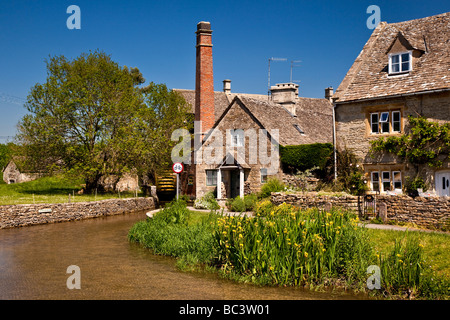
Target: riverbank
(33, 214)
(287, 246)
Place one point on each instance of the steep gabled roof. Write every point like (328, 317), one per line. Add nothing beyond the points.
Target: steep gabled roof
(315, 125)
(368, 76)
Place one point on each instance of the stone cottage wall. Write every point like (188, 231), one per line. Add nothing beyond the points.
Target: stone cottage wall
(31, 214)
(431, 212)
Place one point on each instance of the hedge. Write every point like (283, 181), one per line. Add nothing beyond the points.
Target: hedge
(306, 156)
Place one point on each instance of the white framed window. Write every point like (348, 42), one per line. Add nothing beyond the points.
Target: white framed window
(385, 122)
(400, 62)
(375, 179)
(237, 138)
(396, 123)
(211, 177)
(397, 179)
(386, 180)
(263, 175)
(374, 122)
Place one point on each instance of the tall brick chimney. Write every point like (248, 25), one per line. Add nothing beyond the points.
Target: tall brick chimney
(204, 82)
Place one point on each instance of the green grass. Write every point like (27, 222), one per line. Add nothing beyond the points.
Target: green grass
(436, 246)
(54, 189)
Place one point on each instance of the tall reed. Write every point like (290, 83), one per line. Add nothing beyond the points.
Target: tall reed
(287, 246)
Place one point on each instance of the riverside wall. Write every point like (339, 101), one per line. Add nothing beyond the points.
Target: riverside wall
(32, 214)
(429, 212)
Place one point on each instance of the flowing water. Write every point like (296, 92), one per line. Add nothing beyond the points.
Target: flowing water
(34, 262)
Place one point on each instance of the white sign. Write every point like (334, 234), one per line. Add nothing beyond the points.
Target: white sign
(177, 167)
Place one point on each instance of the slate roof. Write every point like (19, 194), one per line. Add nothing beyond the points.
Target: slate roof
(368, 76)
(314, 116)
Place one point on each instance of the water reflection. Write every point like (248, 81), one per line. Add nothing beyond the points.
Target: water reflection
(34, 260)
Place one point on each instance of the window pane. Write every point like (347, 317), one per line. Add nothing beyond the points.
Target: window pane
(375, 181)
(387, 186)
(396, 115)
(405, 66)
(375, 186)
(384, 117)
(263, 175)
(211, 177)
(374, 122)
(395, 68)
(386, 175)
(405, 57)
(395, 59)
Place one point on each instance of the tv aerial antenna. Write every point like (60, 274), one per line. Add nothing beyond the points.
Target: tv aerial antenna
(293, 64)
(268, 80)
(11, 99)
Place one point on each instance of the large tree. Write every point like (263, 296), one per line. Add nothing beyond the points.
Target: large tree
(91, 119)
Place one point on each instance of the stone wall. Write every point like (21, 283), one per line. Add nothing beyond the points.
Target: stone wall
(431, 212)
(31, 214)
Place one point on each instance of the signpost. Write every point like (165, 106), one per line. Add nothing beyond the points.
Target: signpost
(178, 168)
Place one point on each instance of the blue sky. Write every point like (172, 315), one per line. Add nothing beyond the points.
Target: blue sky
(158, 37)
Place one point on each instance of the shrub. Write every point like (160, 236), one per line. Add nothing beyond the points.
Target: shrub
(272, 185)
(208, 201)
(239, 204)
(306, 156)
(175, 212)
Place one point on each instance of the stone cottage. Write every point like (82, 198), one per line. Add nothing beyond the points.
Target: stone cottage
(240, 133)
(403, 70)
(12, 174)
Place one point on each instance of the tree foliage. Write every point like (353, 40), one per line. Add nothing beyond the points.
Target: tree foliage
(91, 119)
(426, 143)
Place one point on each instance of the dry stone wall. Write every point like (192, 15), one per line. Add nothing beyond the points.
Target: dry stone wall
(31, 214)
(430, 212)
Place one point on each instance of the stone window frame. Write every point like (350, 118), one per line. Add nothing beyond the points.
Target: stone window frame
(397, 109)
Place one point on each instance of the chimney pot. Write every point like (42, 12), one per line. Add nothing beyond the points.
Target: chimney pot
(227, 86)
(329, 93)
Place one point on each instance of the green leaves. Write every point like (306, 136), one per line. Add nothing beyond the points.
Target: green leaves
(426, 143)
(92, 119)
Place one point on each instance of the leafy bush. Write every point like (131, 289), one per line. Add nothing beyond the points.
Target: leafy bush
(306, 156)
(239, 204)
(208, 201)
(412, 184)
(272, 185)
(175, 212)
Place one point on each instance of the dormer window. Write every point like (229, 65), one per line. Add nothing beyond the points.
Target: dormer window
(400, 62)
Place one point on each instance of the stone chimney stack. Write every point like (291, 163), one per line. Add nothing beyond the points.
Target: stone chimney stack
(329, 94)
(285, 94)
(204, 82)
(227, 86)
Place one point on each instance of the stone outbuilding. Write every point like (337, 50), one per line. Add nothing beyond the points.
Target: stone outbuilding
(12, 174)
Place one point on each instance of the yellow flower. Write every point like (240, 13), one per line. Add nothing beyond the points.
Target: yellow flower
(421, 245)
(305, 254)
(401, 261)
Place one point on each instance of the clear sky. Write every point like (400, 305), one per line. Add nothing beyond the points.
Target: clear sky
(158, 37)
